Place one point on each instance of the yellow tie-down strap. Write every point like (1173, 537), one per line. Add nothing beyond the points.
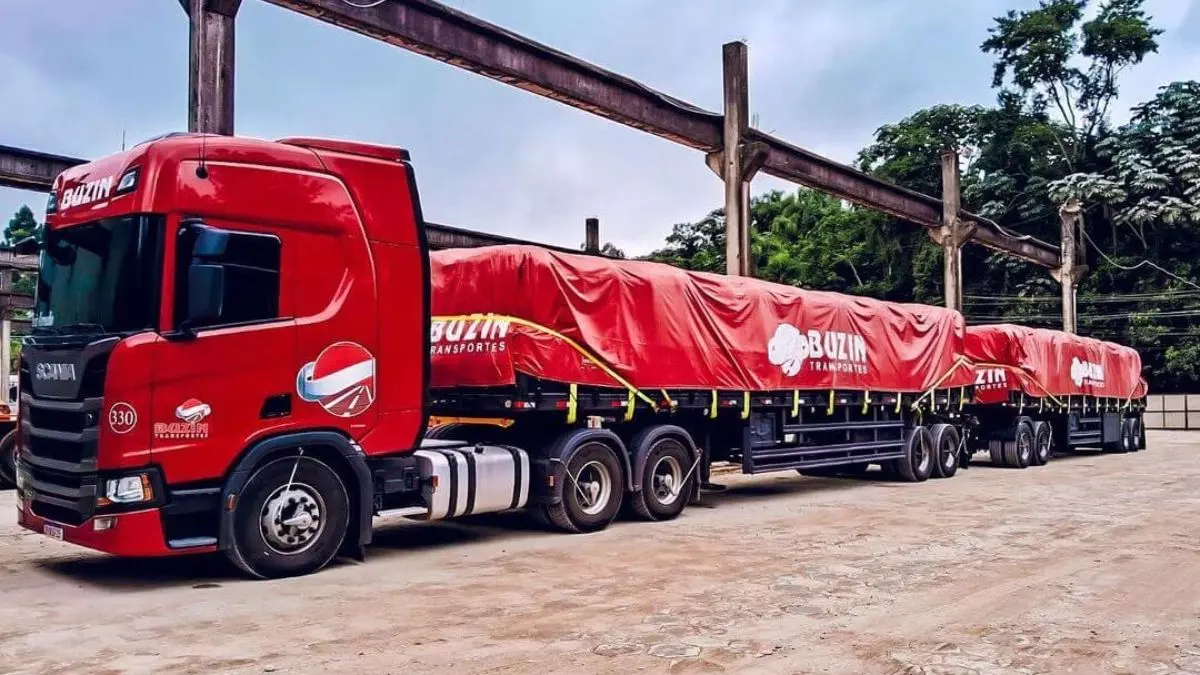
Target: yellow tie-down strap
(590, 357)
(960, 362)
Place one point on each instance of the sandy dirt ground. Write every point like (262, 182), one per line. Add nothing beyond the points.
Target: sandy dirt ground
(1089, 565)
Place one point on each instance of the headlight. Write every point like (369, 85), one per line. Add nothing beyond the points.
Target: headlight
(127, 490)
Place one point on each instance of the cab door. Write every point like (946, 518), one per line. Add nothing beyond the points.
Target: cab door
(229, 378)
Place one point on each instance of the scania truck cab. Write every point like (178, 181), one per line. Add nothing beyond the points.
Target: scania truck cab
(226, 331)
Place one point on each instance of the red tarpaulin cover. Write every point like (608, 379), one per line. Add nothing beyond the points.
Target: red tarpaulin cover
(658, 326)
(1039, 362)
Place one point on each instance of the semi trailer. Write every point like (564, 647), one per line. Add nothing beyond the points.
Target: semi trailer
(1038, 391)
(239, 345)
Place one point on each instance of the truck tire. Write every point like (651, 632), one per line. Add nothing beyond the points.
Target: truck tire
(1018, 453)
(290, 519)
(1043, 443)
(918, 460)
(945, 445)
(1129, 441)
(996, 451)
(8, 460)
(592, 490)
(666, 478)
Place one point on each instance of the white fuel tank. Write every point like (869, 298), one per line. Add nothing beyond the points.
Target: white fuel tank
(473, 479)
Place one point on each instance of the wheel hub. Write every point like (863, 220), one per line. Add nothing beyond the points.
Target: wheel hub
(666, 479)
(291, 518)
(594, 486)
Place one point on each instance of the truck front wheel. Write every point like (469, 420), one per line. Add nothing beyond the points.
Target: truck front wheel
(290, 519)
(592, 490)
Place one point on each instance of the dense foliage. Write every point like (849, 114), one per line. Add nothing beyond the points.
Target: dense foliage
(1048, 138)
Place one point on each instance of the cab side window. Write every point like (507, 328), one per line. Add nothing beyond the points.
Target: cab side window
(251, 262)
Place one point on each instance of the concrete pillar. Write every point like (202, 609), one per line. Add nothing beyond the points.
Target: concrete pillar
(953, 233)
(1073, 269)
(738, 160)
(591, 241)
(210, 65)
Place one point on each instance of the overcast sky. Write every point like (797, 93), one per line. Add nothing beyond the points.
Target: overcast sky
(77, 75)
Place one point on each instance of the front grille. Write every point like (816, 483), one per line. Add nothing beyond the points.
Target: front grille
(60, 431)
(63, 497)
(73, 421)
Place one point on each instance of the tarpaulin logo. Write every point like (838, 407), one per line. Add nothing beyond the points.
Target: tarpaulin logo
(828, 351)
(991, 378)
(1086, 371)
(341, 379)
(467, 336)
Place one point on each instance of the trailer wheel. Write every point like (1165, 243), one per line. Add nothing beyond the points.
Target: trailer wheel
(592, 490)
(1043, 443)
(996, 451)
(290, 519)
(1019, 452)
(1129, 441)
(945, 444)
(8, 460)
(918, 460)
(665, 480)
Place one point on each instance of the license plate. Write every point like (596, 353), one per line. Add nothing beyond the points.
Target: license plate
(53, 531)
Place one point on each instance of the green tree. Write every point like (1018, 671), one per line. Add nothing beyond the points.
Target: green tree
(1055, 60)
(23, 224)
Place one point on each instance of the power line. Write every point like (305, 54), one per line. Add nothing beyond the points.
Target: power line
(1132, 268)
(1110, 298)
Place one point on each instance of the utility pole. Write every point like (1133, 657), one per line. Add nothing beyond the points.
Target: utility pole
(210, 65)
(738, 160)
(591, 234)
(953, 233)
(1070, 217)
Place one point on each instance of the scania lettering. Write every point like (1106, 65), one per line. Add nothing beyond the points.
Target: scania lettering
(239, 346)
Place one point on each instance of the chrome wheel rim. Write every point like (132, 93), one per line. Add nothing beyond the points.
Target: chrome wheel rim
(594, 486)
(666, 480)
(292, 518)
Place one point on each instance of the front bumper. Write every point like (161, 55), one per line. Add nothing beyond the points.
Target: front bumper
(132, 534)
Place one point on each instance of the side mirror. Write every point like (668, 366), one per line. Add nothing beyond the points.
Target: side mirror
(206, 293)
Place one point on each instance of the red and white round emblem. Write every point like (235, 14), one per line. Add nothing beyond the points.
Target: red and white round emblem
(122, 418)
(341, 379)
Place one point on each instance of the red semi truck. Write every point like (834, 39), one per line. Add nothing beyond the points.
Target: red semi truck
(238, 345)
(231, 352)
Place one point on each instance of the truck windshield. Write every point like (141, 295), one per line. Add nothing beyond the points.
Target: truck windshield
(99, 277)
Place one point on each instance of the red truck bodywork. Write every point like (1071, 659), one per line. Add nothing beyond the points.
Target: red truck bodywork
(354, 270)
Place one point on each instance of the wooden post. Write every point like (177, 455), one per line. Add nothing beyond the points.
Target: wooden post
(953, 233)
(591, 241)
(738, 160)
(1073, 268)
(210, 64)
